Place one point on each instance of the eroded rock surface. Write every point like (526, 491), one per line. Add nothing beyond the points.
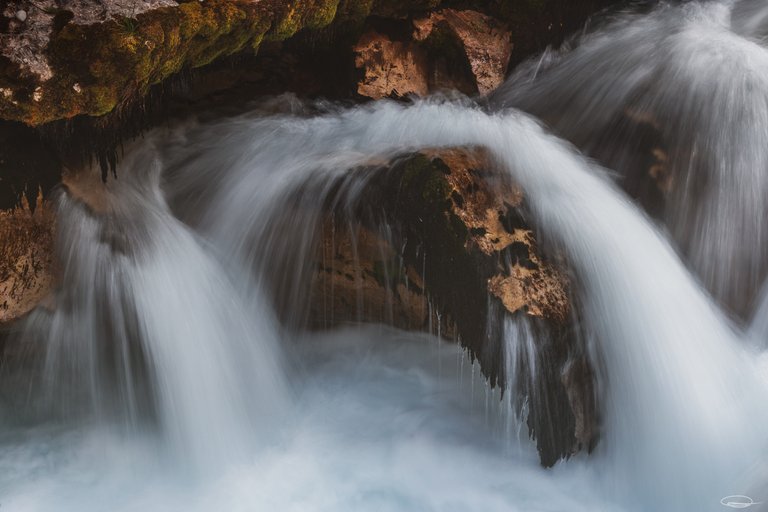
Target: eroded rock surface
(71, 57)
(485, 42)
(26, 258)
(440, 243)
(390, 68)
(448, 49)
(361, 277)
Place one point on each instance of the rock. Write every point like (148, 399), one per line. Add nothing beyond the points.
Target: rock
(21, 15)
(93, 57)
(456, 242)
(26, 258)
(360, 277)
(447, 50)
(486, 42)
(529, 284)
(114, 50)
(391, 68)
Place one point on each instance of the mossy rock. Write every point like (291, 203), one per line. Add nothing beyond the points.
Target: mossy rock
(98, 67)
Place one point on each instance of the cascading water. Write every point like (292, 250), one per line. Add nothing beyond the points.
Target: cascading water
(688, 83)
(380, 420)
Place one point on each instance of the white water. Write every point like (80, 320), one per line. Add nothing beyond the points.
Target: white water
(376, 422)
(694, 74)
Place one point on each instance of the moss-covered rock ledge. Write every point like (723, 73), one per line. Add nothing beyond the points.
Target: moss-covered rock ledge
(62, 58)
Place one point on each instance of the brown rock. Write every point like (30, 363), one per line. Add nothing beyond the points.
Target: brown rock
(391, 68)
(487, 43)
(26, 258)
(454, 50)
(360, 277)
(26, 44)
(530, 283)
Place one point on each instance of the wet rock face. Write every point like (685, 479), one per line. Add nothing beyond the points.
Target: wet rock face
(445, 50)
(496, 225)
(71, 57)
(443, 231)
(484, 41)
(26, 258)
(391, 68)
(361, 277)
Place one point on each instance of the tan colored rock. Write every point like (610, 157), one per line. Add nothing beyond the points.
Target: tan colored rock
(474, 202)
(391, 68)
(26, 258)
(487, 43)
(537, 292)
(455, 50)
(530, 284)
(359, 277)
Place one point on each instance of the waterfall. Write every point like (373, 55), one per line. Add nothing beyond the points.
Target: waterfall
(166, 322)
(687, 83)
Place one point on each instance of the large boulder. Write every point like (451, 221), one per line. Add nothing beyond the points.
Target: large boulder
(454, 254)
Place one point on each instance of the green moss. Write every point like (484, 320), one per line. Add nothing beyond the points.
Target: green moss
(321, 15)
(102, 99)
(112, 62)
(355, 9)
(301, 14)
(287, 26)
(427, 177)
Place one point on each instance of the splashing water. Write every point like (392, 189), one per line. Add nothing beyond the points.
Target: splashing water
(385, 421)
(677, 101)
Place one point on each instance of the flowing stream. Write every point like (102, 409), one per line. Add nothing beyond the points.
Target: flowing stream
(163, 380)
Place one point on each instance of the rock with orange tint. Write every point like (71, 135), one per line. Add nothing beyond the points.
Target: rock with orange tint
(486, 42)
(391, 68)
(440, 241)
(26, 258)
(448, 50)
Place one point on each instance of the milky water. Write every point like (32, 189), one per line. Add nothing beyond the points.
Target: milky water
(224, 409)
(686, 86)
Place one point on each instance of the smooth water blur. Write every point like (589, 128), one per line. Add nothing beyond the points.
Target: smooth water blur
(675, 100)
(211, 234)
(384, 422)
(147, 325)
